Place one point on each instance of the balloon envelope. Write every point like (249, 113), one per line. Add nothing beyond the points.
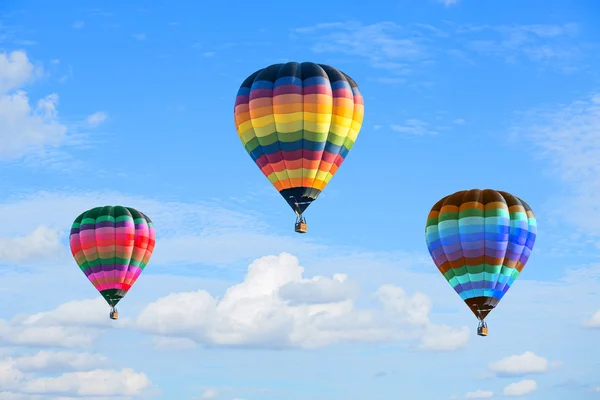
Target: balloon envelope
(298, 121)
(480, 240)
(112, 246)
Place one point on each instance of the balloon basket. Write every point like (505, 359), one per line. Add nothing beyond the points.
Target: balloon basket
(482, 329)
(114, 314)
(301, 227)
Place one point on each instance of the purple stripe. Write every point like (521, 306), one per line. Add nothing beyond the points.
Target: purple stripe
(287, 89)
(259, 93)
(317, 89)
(122, 224)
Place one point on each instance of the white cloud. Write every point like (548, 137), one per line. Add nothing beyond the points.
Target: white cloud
(252, 313)
(18, 381)
(210, 394)
(96, 119)
(414, 127)
(190, 233)
(78, 24)
(319, 290)
(41, 244)
(594, 321)
(125, 382)
(519, 365)
(73, 324)
(16, 70)
(23, 127)
(139, 36)
(47, 360)
(380, 43)
(459, 121)
(520, 388)
(547, 44)
(479, 394)
(448, 3)
(567, 135)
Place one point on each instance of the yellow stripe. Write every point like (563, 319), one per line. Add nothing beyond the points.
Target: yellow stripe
(262, 121)
(289, 127)
(264, 131)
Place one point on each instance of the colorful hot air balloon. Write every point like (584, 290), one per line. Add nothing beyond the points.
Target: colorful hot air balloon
(112, 246)
(480, 240)
(298, 121)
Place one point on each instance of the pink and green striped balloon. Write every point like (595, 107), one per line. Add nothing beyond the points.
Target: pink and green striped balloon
(112, 246)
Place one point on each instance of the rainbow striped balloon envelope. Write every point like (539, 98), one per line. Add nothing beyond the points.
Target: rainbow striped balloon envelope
(298, 121)
(480, 240)
(112, 246)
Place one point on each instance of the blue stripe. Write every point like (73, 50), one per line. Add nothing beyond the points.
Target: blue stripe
(316, 80)
(262, 85)
(287, 80)
(340, 85)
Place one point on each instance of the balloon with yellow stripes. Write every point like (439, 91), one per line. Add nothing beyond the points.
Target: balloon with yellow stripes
(298, 121)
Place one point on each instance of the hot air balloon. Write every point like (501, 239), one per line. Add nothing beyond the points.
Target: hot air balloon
(480, 240)
(298, 121)
(112, 246)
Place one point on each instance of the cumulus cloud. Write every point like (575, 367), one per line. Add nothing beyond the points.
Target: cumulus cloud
(520, 388)
(73, 324)
(97, 382)
(25, 127)
(519, 365)
(254, 314)
(593, 322)
(479, 394)
(41, 244)
(16, 70)
(96, 118)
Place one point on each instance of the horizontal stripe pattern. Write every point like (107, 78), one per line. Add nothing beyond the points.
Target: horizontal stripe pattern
(480, 240)
(298, 121)
(112, 246)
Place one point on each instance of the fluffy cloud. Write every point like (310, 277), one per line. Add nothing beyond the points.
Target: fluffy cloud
(479, 394)
(594, 321)
(25, 127)
(16, 70)
(73, 324)
(98, 382)
(519, 365)
(41, 244)
(91, 383)
(18, 382)
(520, 388)
(254, 313)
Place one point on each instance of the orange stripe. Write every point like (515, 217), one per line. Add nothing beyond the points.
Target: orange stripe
(261, 112)
(261, 102)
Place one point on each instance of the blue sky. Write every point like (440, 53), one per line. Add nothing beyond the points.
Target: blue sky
(133, 104)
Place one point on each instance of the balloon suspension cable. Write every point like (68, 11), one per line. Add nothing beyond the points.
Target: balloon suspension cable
(300, 225)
